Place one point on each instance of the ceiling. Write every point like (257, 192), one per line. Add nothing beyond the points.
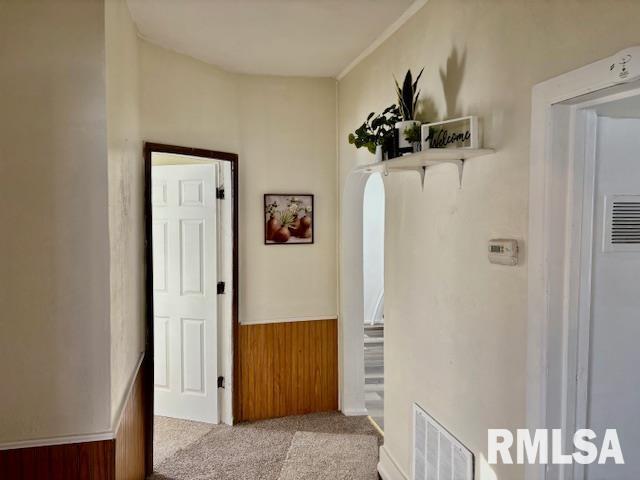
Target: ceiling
(317, 38)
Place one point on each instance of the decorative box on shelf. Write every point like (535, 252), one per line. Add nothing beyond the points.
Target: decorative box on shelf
(456, 133)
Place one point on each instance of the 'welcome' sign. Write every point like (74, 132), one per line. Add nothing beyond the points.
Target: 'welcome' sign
(456, 133)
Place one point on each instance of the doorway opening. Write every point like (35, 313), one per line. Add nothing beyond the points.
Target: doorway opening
(192, 293)
(373, 297)
(607, 395)
(584, 257)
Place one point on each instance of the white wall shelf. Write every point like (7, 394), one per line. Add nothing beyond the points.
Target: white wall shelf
(419, 162)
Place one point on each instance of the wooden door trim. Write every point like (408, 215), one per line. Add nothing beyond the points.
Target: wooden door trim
(232, 158)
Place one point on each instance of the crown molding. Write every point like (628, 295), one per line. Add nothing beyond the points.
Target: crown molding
(390, 30)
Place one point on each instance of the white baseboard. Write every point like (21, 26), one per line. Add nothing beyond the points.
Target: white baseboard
(388, 468)
(354, 412)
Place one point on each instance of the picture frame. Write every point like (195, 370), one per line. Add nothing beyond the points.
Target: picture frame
(288, 218)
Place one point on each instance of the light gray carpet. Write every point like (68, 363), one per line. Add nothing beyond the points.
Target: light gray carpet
(173, 434)
(330, 456)
(259, 450)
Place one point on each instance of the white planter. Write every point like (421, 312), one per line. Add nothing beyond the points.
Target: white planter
(402, 126)
(378, 157)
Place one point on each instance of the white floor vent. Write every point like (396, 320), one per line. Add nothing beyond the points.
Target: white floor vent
(437, 455)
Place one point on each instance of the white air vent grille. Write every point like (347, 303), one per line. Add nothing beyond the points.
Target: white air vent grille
(622, 223)
(437, 455)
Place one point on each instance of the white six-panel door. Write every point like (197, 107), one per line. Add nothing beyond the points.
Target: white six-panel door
(185, 291)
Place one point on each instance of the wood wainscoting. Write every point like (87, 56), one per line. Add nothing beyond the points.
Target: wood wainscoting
(288, 368)
(71, 461)
(120, 457)
(130, 434)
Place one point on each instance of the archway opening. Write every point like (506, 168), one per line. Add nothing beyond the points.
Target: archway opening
(362, 294)
(373, 297)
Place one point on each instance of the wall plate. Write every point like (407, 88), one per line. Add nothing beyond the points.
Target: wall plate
(503, 251)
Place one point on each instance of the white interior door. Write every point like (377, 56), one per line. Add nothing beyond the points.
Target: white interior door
(185, 291)
(613, 394)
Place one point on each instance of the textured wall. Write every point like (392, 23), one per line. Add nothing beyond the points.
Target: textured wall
(126, 185)
(283, 129)
(455, 335)
(54, 273)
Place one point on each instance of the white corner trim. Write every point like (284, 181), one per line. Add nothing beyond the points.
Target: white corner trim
(388, 467)
(258, 321)
(390, 30)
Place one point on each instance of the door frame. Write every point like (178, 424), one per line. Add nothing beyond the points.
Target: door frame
(148, 395)
(561, 202)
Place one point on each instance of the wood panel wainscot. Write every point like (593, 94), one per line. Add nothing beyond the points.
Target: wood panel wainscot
(130, 434)
(118, 458)
(71, 461)
(288, 368)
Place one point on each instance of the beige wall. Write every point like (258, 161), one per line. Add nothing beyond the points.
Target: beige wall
(455, 335)
(186, 102)
(81, 92)
(54, 272)
(284, 132)
(287, 135)
(126, 186)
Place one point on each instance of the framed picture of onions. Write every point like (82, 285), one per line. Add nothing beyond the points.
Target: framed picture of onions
(288, 219)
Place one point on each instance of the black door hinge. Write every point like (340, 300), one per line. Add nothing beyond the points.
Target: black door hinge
(221, 288)
(220, 382)
(220, 193)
